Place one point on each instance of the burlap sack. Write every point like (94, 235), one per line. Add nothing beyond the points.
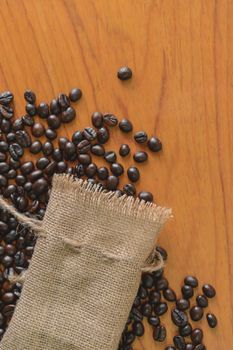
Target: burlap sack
(85, 270)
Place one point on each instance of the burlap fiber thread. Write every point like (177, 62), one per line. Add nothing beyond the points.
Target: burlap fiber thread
(85, 270)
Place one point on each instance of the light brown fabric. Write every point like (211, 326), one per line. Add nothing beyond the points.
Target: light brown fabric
(85, 273)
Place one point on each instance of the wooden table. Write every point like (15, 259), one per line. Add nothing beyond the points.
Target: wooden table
(181, 56)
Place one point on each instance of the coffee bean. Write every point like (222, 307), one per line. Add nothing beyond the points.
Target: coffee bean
(161, 284)
(147, 280)
(154, 297)
(5, 126)
(10, 137)
(47, 148)
(79, 170)
(154, 320)
(9, 190)
(110, 156)
(196, 313)
(112, 183)
(170, 348)
(182, 304)
(3, 146)
(83, 147)
(200, 347)
(102, 173)
(61, 167)
(6, 112)
(20, 180)
(68, 115)
(35, 147)
(117, 169)
(15, 164)
(8, 310)
(75, 94)
(160, 309)
(102, 135)
(98, 150)
(18, 124)
(2, 157)
(191, 281)
(3, 181)
(189, 346)
(11, 174)
(53, 121)
(4, 167)
(133, 174)
(89, 134)
(6, 98)
(179, 318)
(28, 120)
(38, 130)
(43, 110)
(154, 144)
(140, 137)
(179, 342)
(125, 125)
(50, 134)
(34, 175)
(129, 189)
(202, 301)
(7, 261)
(84, 159)
(3, 228)
(42, 163)
(208, 290)
(50, 168)
(91, 170)
(124, 73)
(159, 333)
(27, 186)
(30, 96)
(110, 119)
(62, 141)
(140, 156)
(129, 338)
(30, 109)
(146, 196)
(9, 249)
(212, 320)
(54, 107)
(26, 168)
(16, 151)
(197, 336)
(97, 119)
(124, 150)
(169, 294)
(57, 155)
(63, 101)
(187, 291)
(138, 329)
(186, 330)
(162, 252)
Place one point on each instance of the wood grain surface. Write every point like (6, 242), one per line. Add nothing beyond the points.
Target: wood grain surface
(181, 53)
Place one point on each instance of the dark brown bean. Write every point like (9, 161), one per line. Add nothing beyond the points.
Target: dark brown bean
(30, 109)
(83, 147)
(179, 318)
(161, 284)
(26, 168)
(159, 333)
(28, 120)
(179, 342)
(154, 297)
(90, 170)
(202, 301)
(154, 144)
(200, 347)
(30, 96)
(35, 147)
(138, 329)
(189, 346)
(146, 196)
(77, 137)
(129, 189)
(112, 182)
(16, 151)
(68, 115)
(196, 313)
(110, 156)
(140, 137)
(110, 119)
(47, 148)
(212, 320)
(4, 146)
(187, 291)
(57, 155)
(18, 124)
(4, 167)
(124, 73)
(98, 150)
(208, 290)
(6, 112)
(10, 137)
(154, 320)
(182, 304)
(6, 98)
(89, 134)
(3, 181)
(54, 107)
(2, 157)
(186, 330)
(147, 280)
(133, 174)
(53, 121)
(38, 130)
(125, 125)
(51, 134)
(140, 156)
(84, 159)
(40, 186)
(42, 163)
(63, 101)
(50, 168)
(197, 336)
(160, 309)
(75, 94)
(102, 135)
(169, 294)
(117, 169)
(43, 110)
(124, 150)
(35, 175)
(97, 119)
(61, 167)
(191, 281)
(102, 173)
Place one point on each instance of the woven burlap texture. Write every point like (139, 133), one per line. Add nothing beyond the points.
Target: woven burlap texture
(85, 270)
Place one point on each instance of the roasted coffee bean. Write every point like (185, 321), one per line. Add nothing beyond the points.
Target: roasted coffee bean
(57, 155)
(47, 148)
(98, 150)
(40, 186)
(202, 301)
(50, 134)
(102, 173)
(162, 252)
(89, 134)
(35, 147)
(117, 169)
(38, 130)
(42, 163)
(179, 318)
(16, 151)
(110, 119)
(112, 182)
(191, 281)
(3, 146)
(79, 170)
(68, 115)
(30, 109)
(53, 121)
(9, 249)
(140, 137)
(18, 125)
(212, 320)
(35, 175)
(3, 228)
(91, 170)
(75, 94)
(7, 261)
(138, 329)
(133, 174)
(6, 112)
(125, 125)
(136, 314)
(4, 167)
(54, 107)
(154, 297)
(170, 348)
(159, 333)
(129, 189)
(160, 308)
(169, 294)
(6, 98)
(63, 101)
(9, 190)
(182, 304)
(196, 313)
(147, 280)
(3, 181)
(124, 73)
(26, 168)
(97, 119)
(102, 135)
(200, 347)
(5, 126)
(187, 291)
(129, 338)
(30, 96)
(208, 290)
(179, 342)
(84, 159)
(161, 284)
(189, 346)
(27, 186)
(154, 320)
(154, 144)
(2, 157)
(124, 150)
(12, 223)
(137, 301)
(197, 336)
(140, 156)
(157, 274)
(83, 147)
(77, 137)
(110, 156)
(50, 168)
(61, 167)
(28, 120)
(146, 196)
(43, 110)
(186, 330)
(15, 164)
(10, 137)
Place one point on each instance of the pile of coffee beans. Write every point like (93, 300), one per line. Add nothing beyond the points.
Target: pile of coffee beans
(151, 303)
